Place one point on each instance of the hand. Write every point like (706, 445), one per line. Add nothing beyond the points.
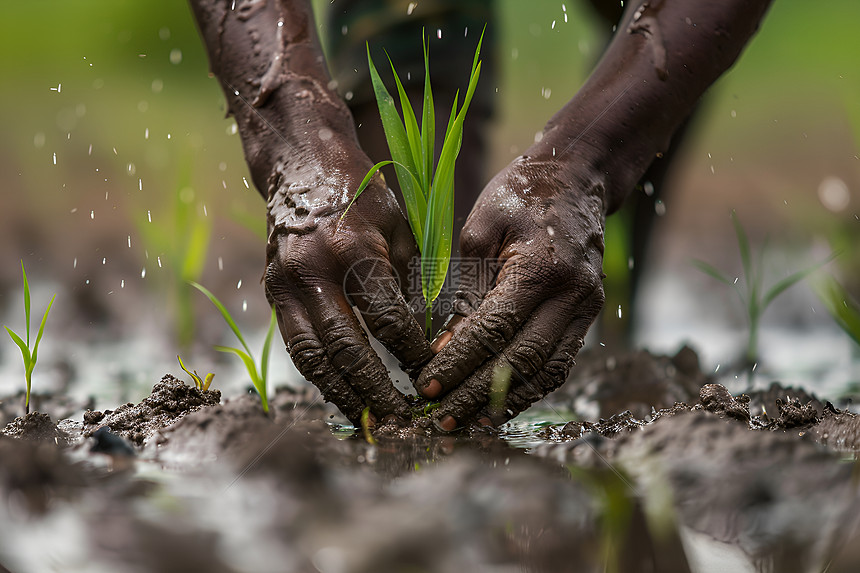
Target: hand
(544, 226)
(318, 266)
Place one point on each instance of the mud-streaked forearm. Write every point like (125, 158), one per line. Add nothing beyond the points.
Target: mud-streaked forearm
(664, 56)
(268, 60)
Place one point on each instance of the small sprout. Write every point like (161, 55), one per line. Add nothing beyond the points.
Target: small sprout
(201, 384)
(29, 355)
(365, 426)
(753, 296)
(427, 186)
(258, 377)
(499, 386)
(844, 309)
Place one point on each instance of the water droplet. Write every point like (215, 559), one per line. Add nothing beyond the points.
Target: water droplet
(149, 216)
(129, 241)
(245, 181)
(92, 214)
(717, 369)
(648, 187)
(104, 260)
(239, 284)
(175, 56)
(143, 273)
(75, 263)
(619, 311)
(411, 8)
(552, 27)
(157, 86)
(220, 264)
(55, 158)
(159, 261)
(244, 305)
(659, 207)
(550, 231)
(146, 133)
(280, 23)
(439, 33)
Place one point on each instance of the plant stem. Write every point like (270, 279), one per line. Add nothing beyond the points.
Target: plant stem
(428, 320)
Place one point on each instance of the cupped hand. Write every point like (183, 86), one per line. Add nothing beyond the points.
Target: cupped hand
(319, 265)
(518, 323)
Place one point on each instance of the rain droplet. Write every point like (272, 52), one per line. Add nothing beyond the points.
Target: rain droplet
(220, 264)
(239, 284)
(619, 311)
(92, 214)
(175, 56)
(439, 33)
(129, 241)
(245, 305)
(146, 133)
(75, 263)
(55, 158)
(143, 273)
(159, 261)
(245, 181)
(149, 216)
(411, 8)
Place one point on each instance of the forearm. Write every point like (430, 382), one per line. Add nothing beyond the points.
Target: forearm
(267, 58)
(663, 57)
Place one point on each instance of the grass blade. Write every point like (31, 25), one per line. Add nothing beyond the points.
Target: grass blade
(267, 346)
(229, 319)
(39, 334)
(792, 280)
(398, 145)
(26, 303)
(746, 257)
(428, 120)
(413, 134)
(712, 271)
(197, 381)
(369, 177)
(25, 350)
(258, 383)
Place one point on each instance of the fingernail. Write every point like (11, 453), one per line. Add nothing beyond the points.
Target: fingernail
(447, 424)
(433, 389)
(441, 341)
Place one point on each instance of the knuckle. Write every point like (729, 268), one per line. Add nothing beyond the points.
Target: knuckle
(530, 354)
(346, 350)
(308, 355)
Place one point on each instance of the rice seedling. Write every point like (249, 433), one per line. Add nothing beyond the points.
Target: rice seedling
(259, 377)
(201, 384)
(752, 294)
(427, 186)
(30, 355)
(844, 309)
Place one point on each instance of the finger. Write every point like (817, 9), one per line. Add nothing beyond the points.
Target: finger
(522, 359)
(349, 351)
(491, 327)
(309, 356)
(523, 394)
(372, 287)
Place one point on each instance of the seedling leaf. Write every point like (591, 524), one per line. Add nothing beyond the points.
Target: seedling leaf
(267, 345)
(223, 310)
(712, 271)
(792, 280)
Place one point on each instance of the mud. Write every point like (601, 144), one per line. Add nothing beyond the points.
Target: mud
(222, 486)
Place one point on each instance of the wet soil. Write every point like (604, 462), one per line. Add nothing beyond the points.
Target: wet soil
(680, 476)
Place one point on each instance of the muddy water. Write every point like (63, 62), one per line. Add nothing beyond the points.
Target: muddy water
(710, 482)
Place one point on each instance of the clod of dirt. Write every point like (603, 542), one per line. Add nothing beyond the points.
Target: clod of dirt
(36, 427)
(170, 400)
(717, 399)
(637, 382)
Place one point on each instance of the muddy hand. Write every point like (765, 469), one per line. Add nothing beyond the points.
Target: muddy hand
(519, 323)
(300, 144)
(318, 266)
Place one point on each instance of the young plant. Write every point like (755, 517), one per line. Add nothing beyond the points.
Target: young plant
(258, 377)
(427, 186)
(29, 355)
(201, 384)
(752, 294)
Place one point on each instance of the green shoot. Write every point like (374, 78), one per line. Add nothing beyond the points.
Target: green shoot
(258, 377)
(30, 355)
(752, 293)
(201, 384)
(427, 192)
(844, 310)
(365, 427)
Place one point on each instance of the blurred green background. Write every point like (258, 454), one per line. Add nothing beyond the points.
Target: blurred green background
(117, 159)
